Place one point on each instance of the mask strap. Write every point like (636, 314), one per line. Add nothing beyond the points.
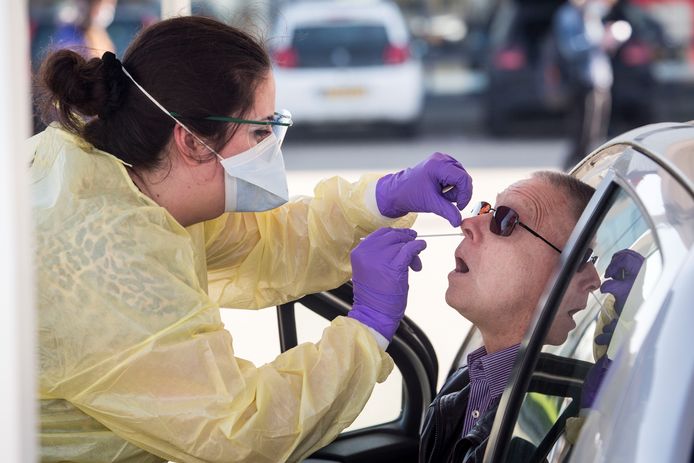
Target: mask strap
(151, 98)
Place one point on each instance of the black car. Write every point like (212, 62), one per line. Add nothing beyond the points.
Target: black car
(524, 76)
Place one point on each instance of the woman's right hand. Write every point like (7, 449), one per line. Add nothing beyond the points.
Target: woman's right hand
(380, 267)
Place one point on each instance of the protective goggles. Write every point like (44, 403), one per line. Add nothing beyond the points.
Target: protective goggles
(278, 123)
(504, 221)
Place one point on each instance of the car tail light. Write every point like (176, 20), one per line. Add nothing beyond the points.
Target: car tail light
(636, 54)
(395, 55)
(286, 58)
(509, 59)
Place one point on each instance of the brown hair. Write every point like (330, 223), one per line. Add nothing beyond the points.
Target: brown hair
(193, 66)
(577, 192)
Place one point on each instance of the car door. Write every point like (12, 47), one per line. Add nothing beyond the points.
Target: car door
(642, 209)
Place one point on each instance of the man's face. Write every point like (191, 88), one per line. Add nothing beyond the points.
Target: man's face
(575, 299)
(498, 280)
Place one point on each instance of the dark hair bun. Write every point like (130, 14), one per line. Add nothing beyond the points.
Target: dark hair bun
(76, 84)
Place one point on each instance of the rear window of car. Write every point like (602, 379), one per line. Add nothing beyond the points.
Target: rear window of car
(340, 45)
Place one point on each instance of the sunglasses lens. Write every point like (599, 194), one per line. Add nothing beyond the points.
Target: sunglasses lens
(504, 221)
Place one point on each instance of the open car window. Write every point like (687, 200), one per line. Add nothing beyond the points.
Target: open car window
(569, 370)
(636, 239)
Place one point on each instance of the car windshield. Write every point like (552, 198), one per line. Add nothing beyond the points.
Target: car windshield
(340, 45)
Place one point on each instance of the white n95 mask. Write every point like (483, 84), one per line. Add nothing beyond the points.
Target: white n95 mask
(255, 180)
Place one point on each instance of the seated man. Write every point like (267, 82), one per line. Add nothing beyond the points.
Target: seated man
(502, 266)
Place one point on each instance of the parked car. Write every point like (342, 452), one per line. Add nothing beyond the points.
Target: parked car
(644, 202)
(523, 70)
(341, 62)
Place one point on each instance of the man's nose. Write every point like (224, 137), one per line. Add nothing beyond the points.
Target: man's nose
(591, 277)
(470, 226)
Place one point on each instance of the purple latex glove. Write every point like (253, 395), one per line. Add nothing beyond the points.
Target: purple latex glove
(418, 189)
(591, 385)
(379, 276)
(622, 271)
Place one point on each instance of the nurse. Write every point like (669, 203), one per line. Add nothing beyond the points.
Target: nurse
(159, 197)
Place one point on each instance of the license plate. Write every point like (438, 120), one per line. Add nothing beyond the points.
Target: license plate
(344, 92)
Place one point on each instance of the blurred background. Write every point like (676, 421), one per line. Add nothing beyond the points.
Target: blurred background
(487, 68)
(378, 86)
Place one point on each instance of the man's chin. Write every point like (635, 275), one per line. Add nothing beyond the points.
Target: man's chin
(453, 301)
(559, 338)
(450, 297)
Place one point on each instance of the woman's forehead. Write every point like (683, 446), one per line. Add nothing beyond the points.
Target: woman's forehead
(264, 101)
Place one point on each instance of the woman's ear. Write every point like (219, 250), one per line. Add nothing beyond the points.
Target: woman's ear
(191, 149)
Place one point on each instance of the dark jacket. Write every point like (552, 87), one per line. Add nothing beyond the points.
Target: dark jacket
(441, 439)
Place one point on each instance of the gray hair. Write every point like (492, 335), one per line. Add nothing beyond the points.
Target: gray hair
(577, 192)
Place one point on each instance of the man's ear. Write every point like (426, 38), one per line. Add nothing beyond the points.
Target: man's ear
(191, 150)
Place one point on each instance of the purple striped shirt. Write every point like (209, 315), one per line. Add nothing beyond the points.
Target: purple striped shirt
(489, 374)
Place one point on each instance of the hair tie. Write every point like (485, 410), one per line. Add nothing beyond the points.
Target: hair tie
(116, 84)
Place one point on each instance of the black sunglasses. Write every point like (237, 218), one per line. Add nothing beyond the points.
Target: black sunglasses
(504, 221)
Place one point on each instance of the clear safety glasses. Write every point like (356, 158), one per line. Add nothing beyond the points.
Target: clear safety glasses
(257, 130)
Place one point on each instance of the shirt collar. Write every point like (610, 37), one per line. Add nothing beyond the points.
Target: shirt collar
(495, 368)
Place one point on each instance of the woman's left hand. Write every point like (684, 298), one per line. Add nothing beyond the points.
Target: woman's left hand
(380, 268)
(420, 189)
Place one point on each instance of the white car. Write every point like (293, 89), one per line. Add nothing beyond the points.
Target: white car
(339, 62)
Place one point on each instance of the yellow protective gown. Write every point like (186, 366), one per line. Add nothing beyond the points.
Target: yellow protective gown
(135, 363)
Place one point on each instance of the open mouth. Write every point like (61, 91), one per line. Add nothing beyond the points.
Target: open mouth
(461, 266)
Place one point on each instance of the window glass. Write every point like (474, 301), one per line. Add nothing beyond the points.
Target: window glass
(586, 335)
(349, 44)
